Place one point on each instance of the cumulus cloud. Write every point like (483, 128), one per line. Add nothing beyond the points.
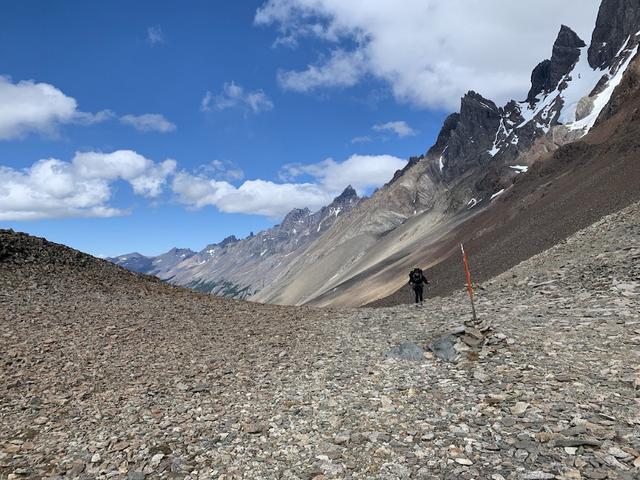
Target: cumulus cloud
(400, 128)
(360, 171)
(430, 52)
(198, 190)
(155, 35)
(30, 107)
(235, 96)
(53, 188)
(148, 122)
(145, 176)
(323, 181)
(256, 197)
(262, 197)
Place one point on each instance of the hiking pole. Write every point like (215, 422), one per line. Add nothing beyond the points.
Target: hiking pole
(469, 285)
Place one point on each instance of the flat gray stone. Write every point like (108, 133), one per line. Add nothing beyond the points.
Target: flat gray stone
(407, 351)
(443, 348)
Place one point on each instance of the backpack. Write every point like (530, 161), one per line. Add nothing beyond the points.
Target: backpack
(416, 276)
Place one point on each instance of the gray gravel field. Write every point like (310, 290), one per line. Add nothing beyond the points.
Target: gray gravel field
(109, 374)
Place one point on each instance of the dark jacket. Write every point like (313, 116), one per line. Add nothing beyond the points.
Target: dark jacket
(417, 278)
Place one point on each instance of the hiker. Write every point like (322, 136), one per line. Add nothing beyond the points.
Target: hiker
(416, 280)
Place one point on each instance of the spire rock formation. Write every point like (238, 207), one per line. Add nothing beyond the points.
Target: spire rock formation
(548, 74)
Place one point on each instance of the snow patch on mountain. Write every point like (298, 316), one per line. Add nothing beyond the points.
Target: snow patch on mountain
(602, 99)
(497, 194)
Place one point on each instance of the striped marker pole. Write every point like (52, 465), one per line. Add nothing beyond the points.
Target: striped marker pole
(469, 285)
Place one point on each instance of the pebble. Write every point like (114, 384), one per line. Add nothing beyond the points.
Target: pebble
(537, 475)
(519, 408)
(156, 459)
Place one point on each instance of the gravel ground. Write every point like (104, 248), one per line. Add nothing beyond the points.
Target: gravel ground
(107, 374)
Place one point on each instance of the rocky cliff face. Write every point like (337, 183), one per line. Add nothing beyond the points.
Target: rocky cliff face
(618, 24)
(548, 74)
(469, 142)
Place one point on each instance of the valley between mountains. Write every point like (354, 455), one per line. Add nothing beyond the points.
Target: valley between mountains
(509, 180)
(293, 353)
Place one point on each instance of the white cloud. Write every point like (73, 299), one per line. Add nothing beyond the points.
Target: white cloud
(145, 176)
(430, 52)
(256, 197)
(53, 188)
(360, 171)
(342, 69)
(29, 107)
(198, 191)
(400, 128)
(148, 122)
(261, 197)
(85, 118)
(155, 35)
(235, 96)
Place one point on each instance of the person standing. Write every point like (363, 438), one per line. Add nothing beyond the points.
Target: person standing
(417, 280)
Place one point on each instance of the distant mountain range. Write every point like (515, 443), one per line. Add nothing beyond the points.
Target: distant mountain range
(240, 268)
(491, 169)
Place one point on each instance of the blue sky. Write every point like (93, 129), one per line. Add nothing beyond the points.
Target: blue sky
(223, 115)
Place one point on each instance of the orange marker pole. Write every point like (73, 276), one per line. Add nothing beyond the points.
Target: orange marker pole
(469, 285)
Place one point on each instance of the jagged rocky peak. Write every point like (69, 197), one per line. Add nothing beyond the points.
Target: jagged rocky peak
(228, 241)
(294, 216)
(470, 136)
(349, 195)
(180, 251)
(449, 125)
(618, 21)
(479, 121)
(474, 107)
(546, 77)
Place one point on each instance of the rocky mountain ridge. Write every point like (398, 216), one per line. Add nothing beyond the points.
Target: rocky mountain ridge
(137, 262)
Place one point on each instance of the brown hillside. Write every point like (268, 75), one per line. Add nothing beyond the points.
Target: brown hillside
(579, 184)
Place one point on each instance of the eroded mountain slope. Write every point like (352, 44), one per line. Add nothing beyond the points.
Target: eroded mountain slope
(439, 198)
(238, 268)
